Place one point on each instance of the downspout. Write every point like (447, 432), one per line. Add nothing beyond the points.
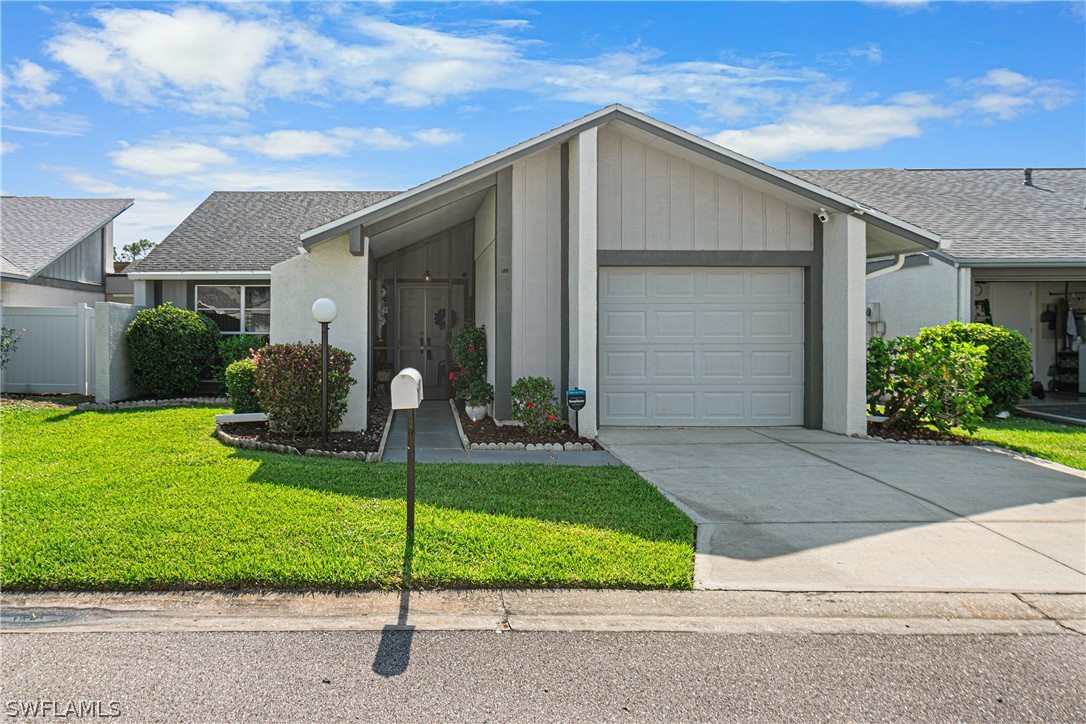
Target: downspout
(899, 261)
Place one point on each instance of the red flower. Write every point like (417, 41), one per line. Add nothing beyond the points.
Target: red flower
(531, 405)
(452, 376)
(472, 348)
(553, 417)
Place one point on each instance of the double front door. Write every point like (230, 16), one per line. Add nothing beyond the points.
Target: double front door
(428, 316)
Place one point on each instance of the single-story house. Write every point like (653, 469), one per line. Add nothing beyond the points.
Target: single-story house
(676, 281)
(59, 252)
(1013, 254)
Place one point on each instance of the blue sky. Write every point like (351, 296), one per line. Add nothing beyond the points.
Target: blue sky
(166, 103)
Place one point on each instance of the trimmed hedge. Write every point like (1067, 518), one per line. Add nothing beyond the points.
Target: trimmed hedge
(234, 347)
(240, 380)
(1008, 363)
(171, 350)
(288, 386)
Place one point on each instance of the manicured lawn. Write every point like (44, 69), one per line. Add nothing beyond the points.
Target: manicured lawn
(148, 499)
(1064, 444)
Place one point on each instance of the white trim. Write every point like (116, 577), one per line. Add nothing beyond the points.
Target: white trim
(503, 158)
(209, 275)
(1079, 263)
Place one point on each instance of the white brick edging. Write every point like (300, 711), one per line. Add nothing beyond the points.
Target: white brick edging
(134, 404)
(238, 442)
(568, 447)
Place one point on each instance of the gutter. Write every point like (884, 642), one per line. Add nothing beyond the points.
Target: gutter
(199, 275)
(899, 261)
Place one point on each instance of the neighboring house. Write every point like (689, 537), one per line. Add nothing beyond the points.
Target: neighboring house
(1013, 246)
(677, 282)
(58, 252)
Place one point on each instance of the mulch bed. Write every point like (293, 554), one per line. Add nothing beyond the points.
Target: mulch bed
(485, 431)
(874, 429)
(368, 440)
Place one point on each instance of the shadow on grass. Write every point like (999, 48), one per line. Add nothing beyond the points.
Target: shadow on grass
(394, 650)
(607, 498)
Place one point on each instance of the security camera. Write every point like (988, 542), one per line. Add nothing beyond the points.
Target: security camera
(823, 215)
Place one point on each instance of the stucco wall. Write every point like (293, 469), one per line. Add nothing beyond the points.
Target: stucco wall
(16, 294)
(583, 274)
(485, 312)
(844, 368)
(113, 375)
(328, 270)
(655, 200)
(537, 267)
(176, 291)
(916, 297)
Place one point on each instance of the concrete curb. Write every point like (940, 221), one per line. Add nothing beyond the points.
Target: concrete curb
(571, 610)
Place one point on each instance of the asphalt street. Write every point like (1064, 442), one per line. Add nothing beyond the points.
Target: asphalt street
(522, 676)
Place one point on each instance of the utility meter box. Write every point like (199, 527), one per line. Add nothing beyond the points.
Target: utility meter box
(874, 312)
(407, 389)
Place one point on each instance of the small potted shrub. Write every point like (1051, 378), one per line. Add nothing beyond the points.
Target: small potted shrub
(469, 371)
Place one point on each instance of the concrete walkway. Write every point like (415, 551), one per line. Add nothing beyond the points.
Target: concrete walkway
(789, 509)
(437, 440)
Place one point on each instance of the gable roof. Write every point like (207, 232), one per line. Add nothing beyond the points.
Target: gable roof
(981, 214)
(486, 166)
(247, 231)
(35, 230)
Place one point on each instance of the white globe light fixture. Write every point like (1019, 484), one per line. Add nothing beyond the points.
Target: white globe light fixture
(324, 311)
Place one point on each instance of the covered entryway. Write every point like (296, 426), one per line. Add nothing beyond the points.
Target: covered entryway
(689, 346)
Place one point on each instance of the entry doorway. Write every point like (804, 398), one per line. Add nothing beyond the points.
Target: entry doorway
(428, 315)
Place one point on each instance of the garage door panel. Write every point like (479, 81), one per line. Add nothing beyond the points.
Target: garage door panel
(701, 346)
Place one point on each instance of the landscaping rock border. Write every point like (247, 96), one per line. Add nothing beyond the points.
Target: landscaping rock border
(228, 439)
(133, 404)
(555, 446)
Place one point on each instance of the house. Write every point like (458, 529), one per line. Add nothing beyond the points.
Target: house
(1014, 246)
(677, 282)
(58, 252)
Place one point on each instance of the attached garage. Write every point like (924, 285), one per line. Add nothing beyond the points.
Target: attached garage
(701, 345)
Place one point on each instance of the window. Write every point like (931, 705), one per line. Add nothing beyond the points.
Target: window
(236, 309)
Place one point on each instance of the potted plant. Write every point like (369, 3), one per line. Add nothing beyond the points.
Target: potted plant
(469, 371)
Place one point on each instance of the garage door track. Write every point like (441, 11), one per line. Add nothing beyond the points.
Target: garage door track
(790, 509)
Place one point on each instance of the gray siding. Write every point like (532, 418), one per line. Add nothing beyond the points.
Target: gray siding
(81, 263)
(650, 199)
(537, 267)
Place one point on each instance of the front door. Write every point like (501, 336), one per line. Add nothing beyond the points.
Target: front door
(428, 316)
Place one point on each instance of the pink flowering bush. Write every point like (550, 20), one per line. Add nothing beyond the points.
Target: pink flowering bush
(535, 404)
(469, 366)
(288, 385)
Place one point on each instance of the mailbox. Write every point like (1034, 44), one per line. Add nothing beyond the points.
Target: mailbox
(407, 389)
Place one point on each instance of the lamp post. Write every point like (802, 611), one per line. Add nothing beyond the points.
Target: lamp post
(324, 311)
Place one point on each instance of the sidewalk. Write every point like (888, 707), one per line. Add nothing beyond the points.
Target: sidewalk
(575, 610)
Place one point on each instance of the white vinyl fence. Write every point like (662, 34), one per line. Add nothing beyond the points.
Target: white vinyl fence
(56, 352)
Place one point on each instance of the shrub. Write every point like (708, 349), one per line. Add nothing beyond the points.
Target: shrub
(934, 382)
(288, 386)
(234, 347)
(240, 380)
(171, 350)
(1008, 363)
(469, 366)
(9, 342)
(535, 404)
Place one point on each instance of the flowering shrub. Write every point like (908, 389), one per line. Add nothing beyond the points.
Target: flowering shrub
(240, 379)
(288, 386)
(934, 382)
(469, 366)
(171, 350)
(535, 404)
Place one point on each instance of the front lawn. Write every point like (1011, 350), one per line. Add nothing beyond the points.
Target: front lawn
(148, 499)
(1064, 444)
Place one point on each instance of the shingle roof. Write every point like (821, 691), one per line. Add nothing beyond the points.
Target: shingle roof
(35, 230)
(249, 230)
(980, 213)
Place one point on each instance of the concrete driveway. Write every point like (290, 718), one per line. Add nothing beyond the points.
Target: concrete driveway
(789, 509)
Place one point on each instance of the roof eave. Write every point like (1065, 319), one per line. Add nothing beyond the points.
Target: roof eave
(168, 275)
(95, 230)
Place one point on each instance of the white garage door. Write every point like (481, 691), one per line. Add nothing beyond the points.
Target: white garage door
(701, 346)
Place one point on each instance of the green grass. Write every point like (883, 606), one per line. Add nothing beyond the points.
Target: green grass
(1065, 444)
(148, 499)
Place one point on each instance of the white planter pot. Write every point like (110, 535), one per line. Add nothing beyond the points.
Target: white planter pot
(475, 412)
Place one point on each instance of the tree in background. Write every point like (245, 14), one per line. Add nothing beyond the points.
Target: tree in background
(134, 250)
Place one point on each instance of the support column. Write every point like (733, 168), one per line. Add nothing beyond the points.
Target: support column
(965, 294)
(583, 274)
(844, 369)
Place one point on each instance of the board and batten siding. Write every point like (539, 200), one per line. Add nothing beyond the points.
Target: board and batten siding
(82, 263)
(536, 348)
(650, 199)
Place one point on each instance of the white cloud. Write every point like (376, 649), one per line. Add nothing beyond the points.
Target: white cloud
(871, 52)
(436, 136)
(1007, 94)
(834, 127)
(28, 84)
(7, 147)
(169, 158)
(291, 144)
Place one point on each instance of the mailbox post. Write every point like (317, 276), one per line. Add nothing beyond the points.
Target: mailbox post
(407, 395)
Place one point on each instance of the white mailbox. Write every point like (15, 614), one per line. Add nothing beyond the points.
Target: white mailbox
(407, 389)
